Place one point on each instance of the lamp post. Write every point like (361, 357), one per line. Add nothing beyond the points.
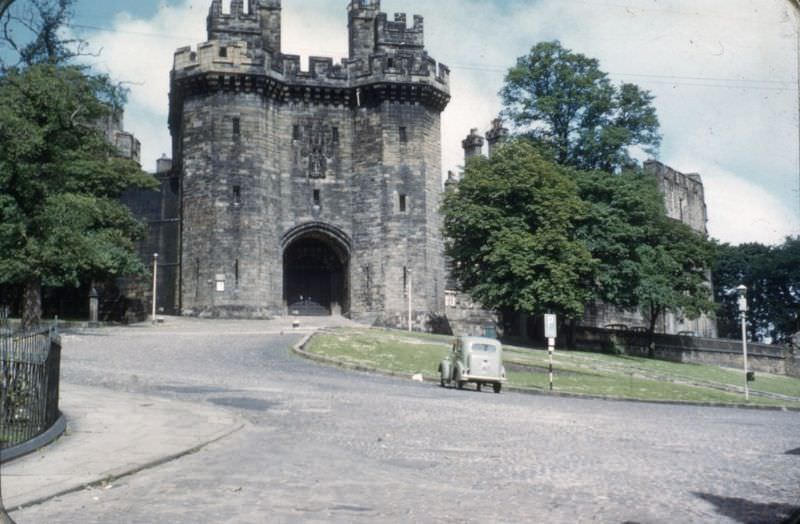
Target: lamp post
(155, 281)
(742, 291)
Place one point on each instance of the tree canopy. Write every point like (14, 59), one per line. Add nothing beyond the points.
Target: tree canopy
(526, 234)
(674, 273)
(511, 230)
(60, 179)
(623, 213)
(772, 277)
(564, 101)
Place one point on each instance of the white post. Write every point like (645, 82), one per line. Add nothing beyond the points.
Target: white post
(155, 281)
(550, 332)
(742, 291)
(408, 292)
(744, 350)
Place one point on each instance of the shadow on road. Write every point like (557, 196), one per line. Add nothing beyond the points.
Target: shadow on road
(749, 512)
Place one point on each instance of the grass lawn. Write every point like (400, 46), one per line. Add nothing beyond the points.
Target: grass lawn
(576, 372)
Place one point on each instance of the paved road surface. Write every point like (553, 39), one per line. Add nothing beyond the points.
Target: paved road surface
(325, 445)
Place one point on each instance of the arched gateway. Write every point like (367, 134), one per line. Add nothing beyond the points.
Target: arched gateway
(316, 260)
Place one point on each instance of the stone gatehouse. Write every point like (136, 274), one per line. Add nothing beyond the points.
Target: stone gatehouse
(309, 191)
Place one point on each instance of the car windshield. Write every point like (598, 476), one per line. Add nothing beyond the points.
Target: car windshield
(484, 348)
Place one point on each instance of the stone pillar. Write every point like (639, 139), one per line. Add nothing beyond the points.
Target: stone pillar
(473, 145)
(94, 306)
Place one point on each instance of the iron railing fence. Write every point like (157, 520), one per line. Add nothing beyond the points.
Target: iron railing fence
(30, 364)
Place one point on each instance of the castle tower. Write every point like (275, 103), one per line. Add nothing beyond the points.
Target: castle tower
(310, 191)
(496, 135)
(473, 145)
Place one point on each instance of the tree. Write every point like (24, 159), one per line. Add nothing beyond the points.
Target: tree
(772, 277)
(623, 211)
(33, 33)
(510, 229)
(564, 101)
(60, 217)
(673, 273)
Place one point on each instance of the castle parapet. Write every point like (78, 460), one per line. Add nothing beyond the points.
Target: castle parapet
(387, 60)
(397, 34)
(236, 58)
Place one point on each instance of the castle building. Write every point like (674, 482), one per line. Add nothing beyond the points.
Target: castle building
(309, 191)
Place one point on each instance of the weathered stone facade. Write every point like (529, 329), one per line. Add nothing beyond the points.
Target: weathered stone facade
(311, 191)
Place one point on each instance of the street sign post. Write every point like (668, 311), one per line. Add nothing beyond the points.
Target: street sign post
(551, 333)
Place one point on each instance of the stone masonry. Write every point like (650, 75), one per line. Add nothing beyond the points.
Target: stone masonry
(309, 191)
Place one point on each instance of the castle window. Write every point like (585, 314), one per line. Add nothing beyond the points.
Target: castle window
(390, 63)
(236, 272)
(236, 127)
(316, 197)
(237, 195)
(402, 203)
(335, 135)
(296, 133)
(403, 135)
(223, 52)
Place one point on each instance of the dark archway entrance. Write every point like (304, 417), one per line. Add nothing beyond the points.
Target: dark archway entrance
(315, 276)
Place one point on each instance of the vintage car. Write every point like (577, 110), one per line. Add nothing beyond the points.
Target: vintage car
(474, 359)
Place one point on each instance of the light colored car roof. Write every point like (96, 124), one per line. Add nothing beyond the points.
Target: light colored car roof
(481, 340)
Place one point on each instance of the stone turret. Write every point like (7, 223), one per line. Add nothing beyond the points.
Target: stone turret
(496, 135)
(361, 16)
(259, 27)
(473, 144)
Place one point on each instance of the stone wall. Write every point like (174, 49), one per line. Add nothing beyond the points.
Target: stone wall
(348, 155)
(719, 352)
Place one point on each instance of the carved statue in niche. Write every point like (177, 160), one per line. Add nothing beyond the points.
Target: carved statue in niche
(316, 147)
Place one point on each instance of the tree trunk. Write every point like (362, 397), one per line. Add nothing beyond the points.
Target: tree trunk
(32, 303)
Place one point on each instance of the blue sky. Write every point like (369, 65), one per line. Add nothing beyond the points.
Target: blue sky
(724, 73)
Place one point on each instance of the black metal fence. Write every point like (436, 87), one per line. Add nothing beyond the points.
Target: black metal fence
(30, 364)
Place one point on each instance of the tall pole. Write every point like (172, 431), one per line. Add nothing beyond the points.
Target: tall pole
(155, 289)
(742, 290)
(408, 292)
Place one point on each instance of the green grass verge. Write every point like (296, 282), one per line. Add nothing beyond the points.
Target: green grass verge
(576, 372)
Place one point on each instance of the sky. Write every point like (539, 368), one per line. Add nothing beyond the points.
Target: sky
(723, 73)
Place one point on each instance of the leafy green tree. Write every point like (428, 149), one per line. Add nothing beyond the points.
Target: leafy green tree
(772, 277)
(564, 101)
(511, 236)
(623, 211)
(673, 273)
(60, 180)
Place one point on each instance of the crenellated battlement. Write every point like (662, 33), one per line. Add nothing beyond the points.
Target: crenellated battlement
(397, 34)
(246, 43)
(402, 75)
(259, 26)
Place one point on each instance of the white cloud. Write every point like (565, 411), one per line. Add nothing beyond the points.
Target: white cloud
(723, 72)
(741, 211)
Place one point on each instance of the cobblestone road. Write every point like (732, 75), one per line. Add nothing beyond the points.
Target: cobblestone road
(325, 445)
